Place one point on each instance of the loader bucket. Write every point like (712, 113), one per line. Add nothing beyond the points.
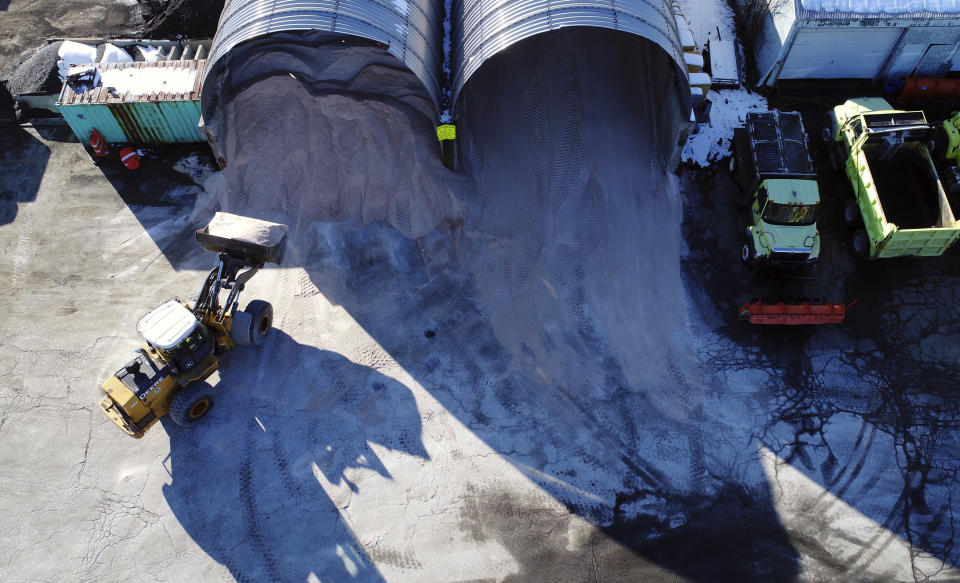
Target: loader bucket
(251, 240)
(782, 314)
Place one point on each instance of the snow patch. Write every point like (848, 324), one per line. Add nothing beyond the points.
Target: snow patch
(136, 81)
(711, 141)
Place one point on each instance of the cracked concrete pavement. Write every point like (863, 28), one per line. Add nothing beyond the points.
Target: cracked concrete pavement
(351, 447)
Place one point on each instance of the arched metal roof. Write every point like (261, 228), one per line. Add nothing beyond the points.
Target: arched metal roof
(409, 28)
(483, 28)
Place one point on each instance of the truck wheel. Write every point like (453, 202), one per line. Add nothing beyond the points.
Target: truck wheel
(851, 213)
(240, 332)
(746, 253)
(860, 243)
(191, 403)
(261, 320)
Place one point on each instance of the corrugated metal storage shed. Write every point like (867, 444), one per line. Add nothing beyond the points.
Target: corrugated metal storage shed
(483, 28)
(139, 103)
(409, 28)
(859, 39)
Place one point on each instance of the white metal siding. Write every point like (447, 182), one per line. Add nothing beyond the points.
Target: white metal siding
(839, 53)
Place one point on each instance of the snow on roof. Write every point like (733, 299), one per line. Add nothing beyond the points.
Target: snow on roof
(144, 80)
(874, 8)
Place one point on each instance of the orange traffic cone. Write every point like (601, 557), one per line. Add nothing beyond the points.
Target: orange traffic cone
(130, 158)
(99, 146)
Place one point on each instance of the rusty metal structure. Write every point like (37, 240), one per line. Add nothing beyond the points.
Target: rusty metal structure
(148, 116)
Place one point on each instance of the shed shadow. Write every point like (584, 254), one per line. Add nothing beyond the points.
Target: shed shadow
(292, 423)
(431, 323)
(23, 161)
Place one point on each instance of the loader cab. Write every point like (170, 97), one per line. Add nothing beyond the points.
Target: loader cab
(176, 334)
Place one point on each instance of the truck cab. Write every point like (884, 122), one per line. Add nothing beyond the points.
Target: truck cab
(783, 227)
(779, 186)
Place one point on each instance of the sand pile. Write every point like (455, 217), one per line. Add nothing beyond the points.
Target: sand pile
(254, 231)
(575, 231)
(314, 135)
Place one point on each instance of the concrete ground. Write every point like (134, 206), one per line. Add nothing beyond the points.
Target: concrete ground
(386, 432)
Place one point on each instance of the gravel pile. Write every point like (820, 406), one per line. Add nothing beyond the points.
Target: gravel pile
(190, 18)
(7, 112)
(37, 73)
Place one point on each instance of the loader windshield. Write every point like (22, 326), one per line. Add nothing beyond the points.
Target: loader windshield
(790, 214)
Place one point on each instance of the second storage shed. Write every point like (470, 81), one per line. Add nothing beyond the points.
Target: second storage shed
(858, 39)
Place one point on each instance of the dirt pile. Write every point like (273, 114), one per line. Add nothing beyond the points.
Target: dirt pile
(188, 18)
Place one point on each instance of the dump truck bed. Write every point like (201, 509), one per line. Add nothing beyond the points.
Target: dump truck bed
(772, 145)
(904, 207)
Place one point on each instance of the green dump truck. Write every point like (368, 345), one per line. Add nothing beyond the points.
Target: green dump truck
(946, 154)
(899, 207)
(772, 164)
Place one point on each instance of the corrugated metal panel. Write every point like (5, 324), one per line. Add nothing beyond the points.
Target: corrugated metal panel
(141, 123)
(858, 9)
(159, 117)
(410, 28)
(825, 53)
(486, 27)
(101, 94)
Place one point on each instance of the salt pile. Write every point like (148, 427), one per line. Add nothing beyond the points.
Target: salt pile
(315, 149)
(572, 216)
(257, 232)
(568, 141)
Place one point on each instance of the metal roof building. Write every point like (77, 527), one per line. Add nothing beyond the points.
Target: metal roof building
(859, 39)
(483, 28)
(412, 30)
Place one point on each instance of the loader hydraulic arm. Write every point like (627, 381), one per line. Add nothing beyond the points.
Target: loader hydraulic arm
(230, 273)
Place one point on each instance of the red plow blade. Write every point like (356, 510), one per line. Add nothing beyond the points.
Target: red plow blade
(800, 314)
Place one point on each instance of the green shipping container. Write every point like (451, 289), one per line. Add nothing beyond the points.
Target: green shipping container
(142, 103)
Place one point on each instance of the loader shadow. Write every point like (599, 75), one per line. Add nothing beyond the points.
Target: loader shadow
(292, 426)
(23, 160)
(558, 440)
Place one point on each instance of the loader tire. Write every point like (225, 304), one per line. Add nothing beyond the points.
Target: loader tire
(261, 320)
(240, 332)
(191, 403)
(851, 213)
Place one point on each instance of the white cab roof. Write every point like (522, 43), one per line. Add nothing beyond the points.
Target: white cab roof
(167, 325)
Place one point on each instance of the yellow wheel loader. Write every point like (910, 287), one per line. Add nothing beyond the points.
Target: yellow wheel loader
(184, 340)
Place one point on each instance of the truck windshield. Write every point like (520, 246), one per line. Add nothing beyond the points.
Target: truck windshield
(789, 214)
